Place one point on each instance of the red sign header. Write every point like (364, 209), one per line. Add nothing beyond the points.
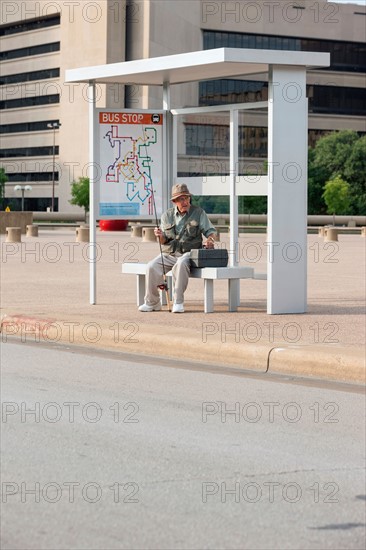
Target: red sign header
(130, 118)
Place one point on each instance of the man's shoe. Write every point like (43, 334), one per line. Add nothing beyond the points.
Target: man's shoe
(146, 308)
(178, 308)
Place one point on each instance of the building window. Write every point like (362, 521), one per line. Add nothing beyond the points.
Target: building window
(344, 56)
(322, 99)
(29, 51)
(31, 25)
(337, 100)
(27, 77)
(213, 140)
(26, 177)
(28, 152)
(219, 92)
(38, 204)
(22, 127)
(29, 101)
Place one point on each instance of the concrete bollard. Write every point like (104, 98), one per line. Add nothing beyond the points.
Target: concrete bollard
(363, 231)
(82, 234)
(136, 230)
(322, 231)
(331, 234)
(32, 231)
(13, 234)
(148, 234)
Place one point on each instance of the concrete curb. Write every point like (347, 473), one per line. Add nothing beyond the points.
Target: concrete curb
(332, 361)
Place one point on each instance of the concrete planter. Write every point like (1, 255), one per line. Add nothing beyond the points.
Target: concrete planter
(15, 219)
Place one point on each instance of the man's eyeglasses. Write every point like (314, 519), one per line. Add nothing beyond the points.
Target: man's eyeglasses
(183, 199)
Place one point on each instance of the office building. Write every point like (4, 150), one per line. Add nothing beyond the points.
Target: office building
(44, 121)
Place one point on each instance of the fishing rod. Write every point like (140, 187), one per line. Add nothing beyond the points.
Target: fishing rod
(164, 285)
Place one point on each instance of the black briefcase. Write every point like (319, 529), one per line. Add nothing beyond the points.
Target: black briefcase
(209, 257)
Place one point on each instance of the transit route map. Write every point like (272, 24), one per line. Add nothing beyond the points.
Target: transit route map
(130, 163)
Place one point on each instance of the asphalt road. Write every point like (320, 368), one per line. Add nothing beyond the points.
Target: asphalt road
(104, 451)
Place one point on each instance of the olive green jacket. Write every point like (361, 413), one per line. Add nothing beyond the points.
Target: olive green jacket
(189, 236)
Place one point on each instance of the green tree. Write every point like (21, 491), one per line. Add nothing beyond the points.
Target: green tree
(338, 154)
(355, 173)
(213, 205)
(252, 205)
(316, 181)
(333, 150)
(80, 193)
(220, 204)
(337, 196)
(3, 179)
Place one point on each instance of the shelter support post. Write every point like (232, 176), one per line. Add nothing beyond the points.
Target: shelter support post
(287, 190)
(234, 230)
(174, 149)
(92, 196)
(168, 145)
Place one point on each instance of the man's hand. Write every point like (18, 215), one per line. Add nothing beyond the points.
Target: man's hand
(210, 243)
(158, 232)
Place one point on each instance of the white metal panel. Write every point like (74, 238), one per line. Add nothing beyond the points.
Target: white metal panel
(93, 185)
(287, 190)
(220, 108)
(220, 185)
(169, 148)
(234, 165)
(195, 66)
(251, 186)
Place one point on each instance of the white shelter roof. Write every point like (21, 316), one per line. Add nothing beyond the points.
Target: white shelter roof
(195, 66)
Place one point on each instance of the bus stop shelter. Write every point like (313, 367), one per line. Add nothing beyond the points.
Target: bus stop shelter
(286, 182)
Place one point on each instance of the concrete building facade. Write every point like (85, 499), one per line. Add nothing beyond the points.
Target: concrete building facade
(44, 120)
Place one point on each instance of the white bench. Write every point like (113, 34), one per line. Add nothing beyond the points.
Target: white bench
(208, 274)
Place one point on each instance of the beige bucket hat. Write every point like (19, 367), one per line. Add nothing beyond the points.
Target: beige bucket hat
(180, 190)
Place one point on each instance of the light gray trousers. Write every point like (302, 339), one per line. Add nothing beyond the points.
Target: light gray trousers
(154, 276)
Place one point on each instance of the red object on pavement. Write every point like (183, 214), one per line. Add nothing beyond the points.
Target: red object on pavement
(113, 225)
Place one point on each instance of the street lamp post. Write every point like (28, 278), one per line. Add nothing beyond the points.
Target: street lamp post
(23, 189)
(54, 126)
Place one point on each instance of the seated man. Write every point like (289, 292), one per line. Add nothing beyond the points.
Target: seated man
(180, 231)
